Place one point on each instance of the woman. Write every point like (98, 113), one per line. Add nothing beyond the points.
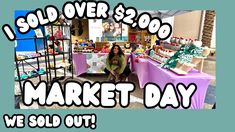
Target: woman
(116, 65)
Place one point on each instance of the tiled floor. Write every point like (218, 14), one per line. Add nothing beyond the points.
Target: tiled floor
(137, 96)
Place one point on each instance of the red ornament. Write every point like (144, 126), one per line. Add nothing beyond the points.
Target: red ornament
(137, 60)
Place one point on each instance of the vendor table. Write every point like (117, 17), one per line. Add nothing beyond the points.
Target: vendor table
(91, 62)
(148, 70)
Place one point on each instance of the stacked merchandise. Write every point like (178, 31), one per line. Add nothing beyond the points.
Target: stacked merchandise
(189, 55)
(59, 47)
(24, 56)
(23, 61)
(84, 46)
(30, 74)
(162, 54)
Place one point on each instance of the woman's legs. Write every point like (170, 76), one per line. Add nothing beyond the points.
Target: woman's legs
(125, 74)
(106, 71)
(110, 76)
(126, 71)
(122, 77)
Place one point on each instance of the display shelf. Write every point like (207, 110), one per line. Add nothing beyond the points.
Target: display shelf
(99, 45)
(59, 53)
(178, 71)
(165, 55)
(58, 78)
(60, 25)
(135, 33)
(30, 58)
(56, 68)
(61, 78)
(54, 60)
(59, 39)
(155, 59)
(187, 60)
(162, 55)
(169, 49)
(35, 76)
(46, 55)
(30, 38)
(64, 39)
(170, 44)
(22, 61)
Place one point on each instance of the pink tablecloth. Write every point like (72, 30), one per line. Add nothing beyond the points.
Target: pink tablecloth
(80, 61)
(148, 70)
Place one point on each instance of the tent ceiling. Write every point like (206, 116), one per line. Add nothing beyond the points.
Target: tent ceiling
(168, 13)
(162, 13)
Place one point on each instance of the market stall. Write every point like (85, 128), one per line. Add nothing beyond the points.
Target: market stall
(154, 73)
(83, 45)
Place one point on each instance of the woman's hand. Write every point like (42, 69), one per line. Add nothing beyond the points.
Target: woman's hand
(112, 72)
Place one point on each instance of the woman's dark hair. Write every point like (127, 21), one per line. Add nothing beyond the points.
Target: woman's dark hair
(111, 53)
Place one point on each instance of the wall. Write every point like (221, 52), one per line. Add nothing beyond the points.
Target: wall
(188, 25)
(169, 20)
(213, 38)
(95, 29)
(85, 32)
(27, 45)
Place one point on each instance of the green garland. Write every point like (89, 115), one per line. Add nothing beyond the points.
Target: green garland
(184, 55)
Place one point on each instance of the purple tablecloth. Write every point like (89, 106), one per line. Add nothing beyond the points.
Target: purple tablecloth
(148, 70)
(80, 64)
(80, 61)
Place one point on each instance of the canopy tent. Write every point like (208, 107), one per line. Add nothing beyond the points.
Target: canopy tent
(160, 13)
(167, 13)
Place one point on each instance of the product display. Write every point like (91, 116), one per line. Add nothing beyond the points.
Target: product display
(166, 52)
(128, 48)
(30, 74)
(139, 50)
(118, 50)
(106, 48)
(159, 58)
(160, 53)
(60, 64)
(45, 62)
(187, 57)
(58, 34)
(38, 33)
(27, 56)
(171, 46)
(154, 73)
(82, 49)
(57, 50)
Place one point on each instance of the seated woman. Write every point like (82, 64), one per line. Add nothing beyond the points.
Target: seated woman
(116, 65)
